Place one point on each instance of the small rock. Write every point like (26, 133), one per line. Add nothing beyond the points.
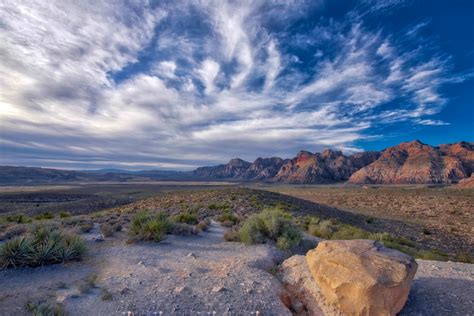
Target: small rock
(192, 255)
(98, 238)
(218, 288)
(180, 289)
(141, 263)
(125, 291)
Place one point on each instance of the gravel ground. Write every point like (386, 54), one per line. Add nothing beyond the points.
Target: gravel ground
(441, 288)
(199, 274)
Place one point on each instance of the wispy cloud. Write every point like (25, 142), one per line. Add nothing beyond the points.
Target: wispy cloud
(185, 84)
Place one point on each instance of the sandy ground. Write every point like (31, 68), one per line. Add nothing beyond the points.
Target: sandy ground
(199, 275)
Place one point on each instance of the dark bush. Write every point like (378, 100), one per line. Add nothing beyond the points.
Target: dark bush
(45, 245)
(145, 226)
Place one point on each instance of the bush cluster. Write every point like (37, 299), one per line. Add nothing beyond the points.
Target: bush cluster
(333, 229)
(149, 227)
(44, 245)
(273, 224)
(189, 218)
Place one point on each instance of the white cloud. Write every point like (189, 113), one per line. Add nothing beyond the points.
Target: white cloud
(213, 82)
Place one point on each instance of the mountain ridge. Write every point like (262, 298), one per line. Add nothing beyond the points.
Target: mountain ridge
(406, 163)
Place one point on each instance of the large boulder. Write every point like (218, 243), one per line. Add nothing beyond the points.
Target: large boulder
(362, 277)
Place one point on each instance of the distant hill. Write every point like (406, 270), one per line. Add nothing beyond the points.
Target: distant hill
(407, 163)
(29, 175)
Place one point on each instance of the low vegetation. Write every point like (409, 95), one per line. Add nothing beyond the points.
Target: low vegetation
(149, 227)
(271, 224)
(333, 229)
(43, 308)
(42, 246)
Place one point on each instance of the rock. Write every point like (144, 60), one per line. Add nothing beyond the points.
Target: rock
(298, 281)
(192, 255)
(98, 238)
(141, 263)
(217, 289)
(362, 277)
(180, 289)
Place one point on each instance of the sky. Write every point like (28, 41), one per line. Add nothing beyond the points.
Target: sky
(181, 84)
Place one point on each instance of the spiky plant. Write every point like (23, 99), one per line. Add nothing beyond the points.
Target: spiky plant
(14, 252)
(73, 248)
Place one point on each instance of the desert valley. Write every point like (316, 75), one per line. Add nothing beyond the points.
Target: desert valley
(151, 243)
(236, 157)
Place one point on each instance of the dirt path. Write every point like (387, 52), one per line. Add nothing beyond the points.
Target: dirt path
(199, 274)
(179, 276)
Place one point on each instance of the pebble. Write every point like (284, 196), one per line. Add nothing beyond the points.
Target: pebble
(217, 289)
(192, 255)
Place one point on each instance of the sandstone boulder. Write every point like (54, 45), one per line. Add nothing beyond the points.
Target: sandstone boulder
(362, 277)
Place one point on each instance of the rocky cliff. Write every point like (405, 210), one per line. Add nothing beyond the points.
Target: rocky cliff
(407, 163)
(415, 162)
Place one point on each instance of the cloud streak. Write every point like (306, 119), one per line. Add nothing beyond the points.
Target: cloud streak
(178, 85)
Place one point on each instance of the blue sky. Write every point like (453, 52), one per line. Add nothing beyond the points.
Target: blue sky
(180, 84)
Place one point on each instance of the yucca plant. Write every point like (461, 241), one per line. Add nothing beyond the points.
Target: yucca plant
(15, 252)
(43, 246)
(73, 248)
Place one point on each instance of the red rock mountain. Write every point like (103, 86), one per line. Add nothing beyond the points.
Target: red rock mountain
(409, 162)
(326, 167)
(415, 162)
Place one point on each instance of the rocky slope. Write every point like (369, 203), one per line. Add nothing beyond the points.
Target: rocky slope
(415, 162)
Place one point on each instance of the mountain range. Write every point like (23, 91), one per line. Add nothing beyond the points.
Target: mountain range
(407, 163)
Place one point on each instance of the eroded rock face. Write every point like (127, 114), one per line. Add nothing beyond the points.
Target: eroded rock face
(362, 277)
(415, 162)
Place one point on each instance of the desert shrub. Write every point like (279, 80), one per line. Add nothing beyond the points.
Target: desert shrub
(43, 308)
(273, 224)
(182, 229)
(231, 235)
(108, 229)
(253, 230)
(44, 216)
(45, 245)
(324, 229)
(19, 219)
(105, 295)
(145, 226)
(86, 227)
(350, 232)
(186, 217)
(228, 219)
(203, 225)
(304, 222)
(464, 256)
(64, 214)
(219, 207)
(432, 254)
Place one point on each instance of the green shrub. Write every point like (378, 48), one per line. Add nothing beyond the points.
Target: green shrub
(231, 235)
(273, 224)
(44, 216)
(253, 230)
(186, 217)
(107, 229)
(432, 254)
(43, 246)
(149, 227)
(464, 256)
(15, 252)
(43, 308)
(105, 295)
(219, 207)
(19, 219)
(64, 215)
(86, 227)
(228, 219)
